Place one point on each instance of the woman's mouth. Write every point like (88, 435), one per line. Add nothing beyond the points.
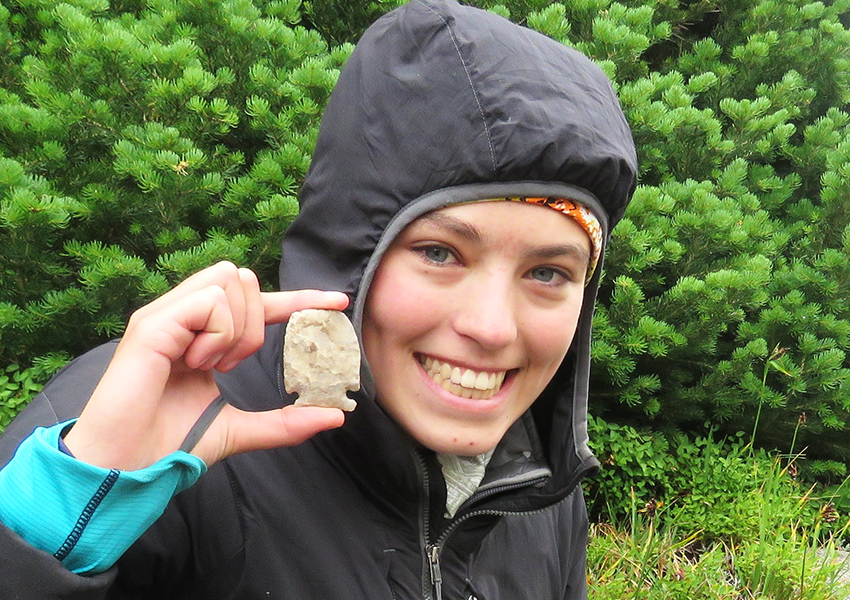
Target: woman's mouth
(466, 383)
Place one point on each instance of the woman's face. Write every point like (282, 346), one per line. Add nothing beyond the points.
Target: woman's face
(471, 311)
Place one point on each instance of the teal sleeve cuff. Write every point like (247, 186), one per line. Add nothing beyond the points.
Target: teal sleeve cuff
(85, 516)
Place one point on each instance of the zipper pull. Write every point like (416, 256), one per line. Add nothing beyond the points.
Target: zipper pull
(436, 577)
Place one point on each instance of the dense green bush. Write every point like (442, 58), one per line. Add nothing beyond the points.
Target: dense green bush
(726, 298)
(142, 140)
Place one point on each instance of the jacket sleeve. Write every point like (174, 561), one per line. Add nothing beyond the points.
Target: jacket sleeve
(153, 569)
(86, 515)
(62, 399)
(31, 573)
(26, 571)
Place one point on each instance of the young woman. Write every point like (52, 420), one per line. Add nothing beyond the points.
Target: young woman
(465, 180)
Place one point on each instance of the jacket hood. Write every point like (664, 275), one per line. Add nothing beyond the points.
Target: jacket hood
(442, 103)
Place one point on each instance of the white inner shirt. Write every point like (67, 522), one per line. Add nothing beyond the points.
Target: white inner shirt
(463, 475)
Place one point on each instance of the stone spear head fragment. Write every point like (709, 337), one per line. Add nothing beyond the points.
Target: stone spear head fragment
(321, 359)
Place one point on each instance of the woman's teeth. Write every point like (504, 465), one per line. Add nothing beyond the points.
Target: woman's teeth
(466, 383)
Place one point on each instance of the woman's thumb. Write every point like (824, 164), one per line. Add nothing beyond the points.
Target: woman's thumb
(237, 431)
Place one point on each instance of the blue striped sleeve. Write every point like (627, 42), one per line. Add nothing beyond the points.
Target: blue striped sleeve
(85, 516)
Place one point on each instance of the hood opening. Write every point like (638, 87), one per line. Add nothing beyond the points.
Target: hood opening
(441, 104)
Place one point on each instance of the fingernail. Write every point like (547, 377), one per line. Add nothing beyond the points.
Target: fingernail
(335, 296)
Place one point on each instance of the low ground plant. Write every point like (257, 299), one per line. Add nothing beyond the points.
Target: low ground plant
(19, 385)
(708, 518)
(644, 562)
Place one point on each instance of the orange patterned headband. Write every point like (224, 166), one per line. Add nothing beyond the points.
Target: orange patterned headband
(580, 214)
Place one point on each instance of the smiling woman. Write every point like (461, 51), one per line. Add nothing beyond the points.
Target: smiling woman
(458, 474)
(466, 294)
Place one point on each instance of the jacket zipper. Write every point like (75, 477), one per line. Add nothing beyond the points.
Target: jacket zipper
(433, 550)
(432, 555)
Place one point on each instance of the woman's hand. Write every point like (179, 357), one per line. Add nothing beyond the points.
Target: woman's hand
(160, 379)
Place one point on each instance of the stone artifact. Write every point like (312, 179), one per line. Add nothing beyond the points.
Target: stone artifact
(321, 359)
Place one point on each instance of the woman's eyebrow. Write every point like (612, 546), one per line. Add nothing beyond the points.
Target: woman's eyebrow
(452, 224)
(560, 250)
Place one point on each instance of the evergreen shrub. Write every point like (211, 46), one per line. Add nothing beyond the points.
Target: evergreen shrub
(140, 142)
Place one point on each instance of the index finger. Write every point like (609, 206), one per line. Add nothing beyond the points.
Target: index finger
(279, 306)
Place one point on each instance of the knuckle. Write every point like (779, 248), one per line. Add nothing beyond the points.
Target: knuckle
(247, 275)
(216, 294)
(224, 271)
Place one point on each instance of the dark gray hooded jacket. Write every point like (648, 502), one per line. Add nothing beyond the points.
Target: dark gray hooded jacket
(438, 104)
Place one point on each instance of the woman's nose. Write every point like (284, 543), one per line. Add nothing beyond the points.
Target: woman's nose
(486, 311)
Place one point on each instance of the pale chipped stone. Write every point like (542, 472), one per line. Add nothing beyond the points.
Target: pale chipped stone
(321, 359)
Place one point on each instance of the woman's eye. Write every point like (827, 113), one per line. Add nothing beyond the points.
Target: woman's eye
(548, 275)
(437, 254)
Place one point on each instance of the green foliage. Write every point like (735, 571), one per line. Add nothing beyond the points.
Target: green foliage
(341, 21)
(643, 562)
(720, 489)
(139, 143)
(708, 519)
(18, 386)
